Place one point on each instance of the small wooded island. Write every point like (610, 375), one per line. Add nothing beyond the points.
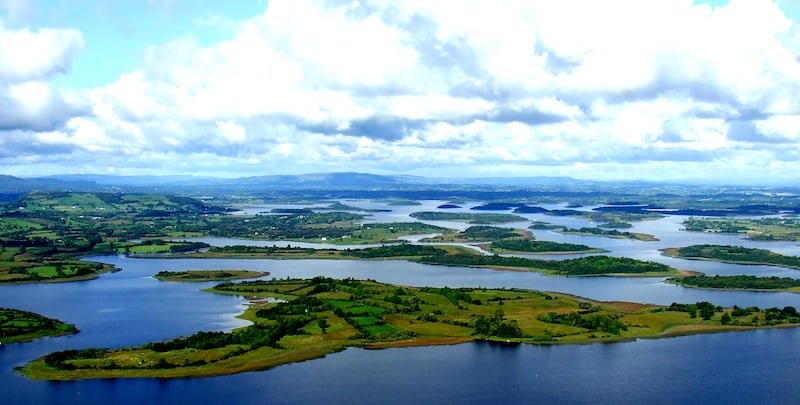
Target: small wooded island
(208, 275)
(23, 326)
(740, 282)
(538, 247)
(733, 254)
(323, 315)
(609, 233)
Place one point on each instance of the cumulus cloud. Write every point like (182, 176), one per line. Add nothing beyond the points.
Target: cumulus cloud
(540, 87)
(28, 60)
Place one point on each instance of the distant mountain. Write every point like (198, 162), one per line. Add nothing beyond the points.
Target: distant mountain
(326, 180)
(331, 181)
(115, 180)
(365, 180)
(11, 184)
(516, 181)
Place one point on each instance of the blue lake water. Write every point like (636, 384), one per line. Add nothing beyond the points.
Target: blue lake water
(130, 308)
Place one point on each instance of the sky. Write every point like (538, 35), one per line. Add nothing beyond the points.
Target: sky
(667, 90)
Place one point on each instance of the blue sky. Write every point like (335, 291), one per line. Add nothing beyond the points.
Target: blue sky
(624, 89)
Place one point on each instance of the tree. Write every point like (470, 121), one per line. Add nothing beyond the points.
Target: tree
(789, 311)
(725, 319)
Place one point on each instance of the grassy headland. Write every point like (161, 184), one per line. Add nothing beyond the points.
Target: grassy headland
(22, 326)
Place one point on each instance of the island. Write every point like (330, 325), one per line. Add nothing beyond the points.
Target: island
(24, 264)
(538, 247)
(599, 265)
(208, 275)
(740, 282)
(469, 217)
(314, 317)
(23, 326)
(479, 233)
(733, 254)
(608, 233)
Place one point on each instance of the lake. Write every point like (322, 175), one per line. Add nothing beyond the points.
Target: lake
(131, 308)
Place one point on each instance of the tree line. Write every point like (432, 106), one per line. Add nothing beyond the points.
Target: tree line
(744, 282)
(590, 265)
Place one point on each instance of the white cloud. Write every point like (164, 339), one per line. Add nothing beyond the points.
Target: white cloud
(231, 132)
(421, 85)
(28, 59)
(784, 128)
(34, 55)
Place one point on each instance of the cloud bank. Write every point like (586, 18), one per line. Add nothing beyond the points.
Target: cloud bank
(620, 89)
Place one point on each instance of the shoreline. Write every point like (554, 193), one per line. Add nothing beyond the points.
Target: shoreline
(35, 370)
